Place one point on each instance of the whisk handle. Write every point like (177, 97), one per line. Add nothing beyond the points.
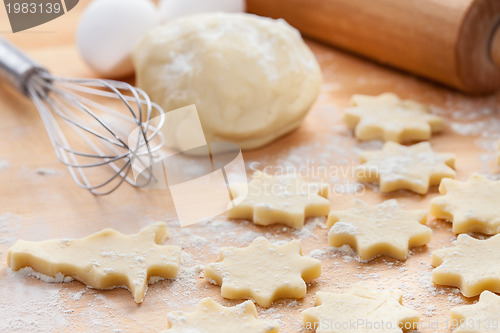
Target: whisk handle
(16, 67)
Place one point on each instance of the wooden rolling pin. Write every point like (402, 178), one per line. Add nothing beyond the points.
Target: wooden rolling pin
(454, 42)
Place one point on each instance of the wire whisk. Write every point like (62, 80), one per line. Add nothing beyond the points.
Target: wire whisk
(91, 123)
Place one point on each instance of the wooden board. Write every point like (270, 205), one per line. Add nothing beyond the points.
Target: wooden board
(37, 207)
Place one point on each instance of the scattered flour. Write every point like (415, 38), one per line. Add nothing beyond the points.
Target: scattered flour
(28, 271)
(36, 307)
(4, 164)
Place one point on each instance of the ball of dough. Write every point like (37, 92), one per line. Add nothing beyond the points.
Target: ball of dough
(252, 79)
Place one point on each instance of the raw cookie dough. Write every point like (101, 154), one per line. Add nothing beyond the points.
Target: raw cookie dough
(283, 199)
(498, 154)
(472, 206)
(481, 317)
(389, 118)
(211, 317)
(384, 229)
(360, 306)
(263, 272)
(252, 79)
(104, 260)
(472, 265)
(414, 168)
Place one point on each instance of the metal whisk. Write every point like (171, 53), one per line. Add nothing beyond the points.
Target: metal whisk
(79, 111)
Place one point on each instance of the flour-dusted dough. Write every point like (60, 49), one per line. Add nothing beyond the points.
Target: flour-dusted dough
(481, 317)
(384, 229)
(389, 118)
(104, 260)
(414, 168)
(263, 271)
(251, 78)
(472, 265)
(363, 308)
(498, 153)
(211, 317)
(472, 206)
(286, 199)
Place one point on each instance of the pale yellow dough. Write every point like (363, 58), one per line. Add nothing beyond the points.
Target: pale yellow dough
(361, 306)
(252, 78)
(286, 199)
(413, 168)
(498, 154)
(104, 260)
(472, 206)
(263, 272)
(389, 118)
(384, 229)
(211, 317)
(482, 317)
(472, 265)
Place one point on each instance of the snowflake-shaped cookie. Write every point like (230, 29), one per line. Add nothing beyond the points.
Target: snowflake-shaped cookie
(472, 265)
(482, 317)
(361, 309)
(104, 260)
(286, 199)
(472, 206)
(384, 229)
(263, 271)
(211, 317)
(389, 118)
(414, 168)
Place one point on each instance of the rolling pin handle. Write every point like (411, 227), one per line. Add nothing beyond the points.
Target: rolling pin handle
(495, 47)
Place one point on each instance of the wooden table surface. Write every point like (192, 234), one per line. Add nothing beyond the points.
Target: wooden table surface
(37, 205)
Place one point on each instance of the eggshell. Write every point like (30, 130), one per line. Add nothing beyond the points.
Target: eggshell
(172, 9)
(108, 31)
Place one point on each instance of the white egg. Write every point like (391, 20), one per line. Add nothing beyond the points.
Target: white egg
(172, 9)
(108, 31)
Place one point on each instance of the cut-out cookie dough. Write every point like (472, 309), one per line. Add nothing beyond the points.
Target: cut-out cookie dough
(357, 309)
(472, 265)
(482, 317)
(263, 272)
(384, 229)
(471, 206)
(104, 260)
(211, 317)
(285, 199)
(498, 153)
(413, 168)
(389, 118)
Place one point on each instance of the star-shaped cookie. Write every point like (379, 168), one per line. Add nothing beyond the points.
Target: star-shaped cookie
(413, 168)
(104, 260)
(361, 309)
(263, 272)
(384, 229)
(211, 317)
(472, 206)
(286, 199)
(482, 317)
(472, 265)
(387, 117)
